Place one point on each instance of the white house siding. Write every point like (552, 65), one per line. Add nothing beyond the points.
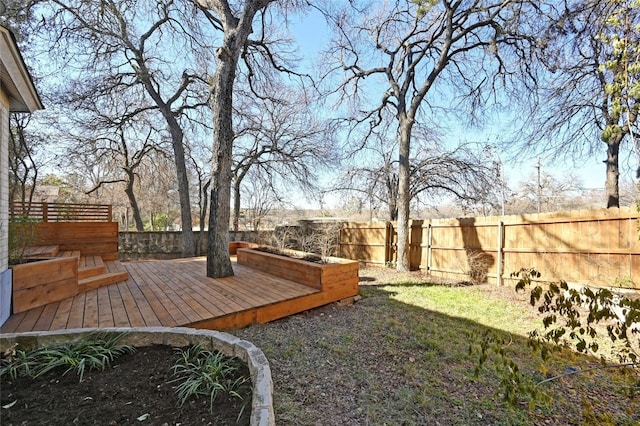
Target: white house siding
(5, 272)
(17, 94)
(4, 183)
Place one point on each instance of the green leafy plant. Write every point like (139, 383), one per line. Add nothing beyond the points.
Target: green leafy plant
(200, 372)
(23, 233)
(582, 319)
(95, 351)
(623, 282)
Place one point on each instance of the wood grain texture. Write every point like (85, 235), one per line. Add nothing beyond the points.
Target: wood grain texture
(178, 293)
(594, 247)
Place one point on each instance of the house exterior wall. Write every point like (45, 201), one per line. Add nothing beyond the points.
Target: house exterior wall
(17, 94)
(4, 181)
(5, 272)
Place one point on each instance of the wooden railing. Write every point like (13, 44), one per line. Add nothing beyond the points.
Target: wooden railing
(61, 212)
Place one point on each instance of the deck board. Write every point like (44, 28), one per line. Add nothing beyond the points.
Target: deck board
(76, 313)
(62, 314)
(30, 319)
(172, 293)
(105, 309)
(47, 316)
(91, 309)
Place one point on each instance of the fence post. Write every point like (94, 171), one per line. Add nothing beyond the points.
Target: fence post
(389, 249)
(499, 272)
(45, 212)
(429, 241)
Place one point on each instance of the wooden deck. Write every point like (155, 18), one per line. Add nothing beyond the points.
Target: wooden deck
(176, 293)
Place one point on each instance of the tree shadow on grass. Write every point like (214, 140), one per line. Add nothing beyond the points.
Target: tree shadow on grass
(383, 360)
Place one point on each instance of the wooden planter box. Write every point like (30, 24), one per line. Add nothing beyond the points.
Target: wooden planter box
(235, 245)
(338, 273)
(45, 281)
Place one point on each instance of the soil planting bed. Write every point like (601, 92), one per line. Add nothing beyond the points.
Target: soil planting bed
(133, 391)
(307, 257)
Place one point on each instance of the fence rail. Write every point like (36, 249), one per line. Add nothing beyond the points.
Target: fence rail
(61, 212)
(597, 247)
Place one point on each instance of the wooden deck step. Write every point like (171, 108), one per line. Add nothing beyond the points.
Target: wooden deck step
(69, 253)
(90, 266)
(101, 280)
(41, 252)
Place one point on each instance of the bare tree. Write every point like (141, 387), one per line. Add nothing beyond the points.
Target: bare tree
(236, 23)
(23, 162)
(131, 47)
(548, 192)
(119, 146)
(280, 137)
(591, 91)
(407, 48)
(434, 171)
(260, 199)
(203, 180)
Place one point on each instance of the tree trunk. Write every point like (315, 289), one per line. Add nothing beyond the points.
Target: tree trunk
(204, 190)
(236, 33)
(613, 172)
(236, 204)
(218, 261)
(133, 201)
(177, 138)
(393, 209)
(402, 263)
(177, 143)
(188, 243)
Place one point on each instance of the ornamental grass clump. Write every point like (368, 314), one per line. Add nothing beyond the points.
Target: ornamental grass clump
(210, 374)
(95, 351)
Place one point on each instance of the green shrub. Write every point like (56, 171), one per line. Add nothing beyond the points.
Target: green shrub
(23, 233)
(95, 351)
(210, 374)
(582, 319)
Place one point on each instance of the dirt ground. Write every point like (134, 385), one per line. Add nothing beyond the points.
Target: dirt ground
(133, 391)
(335, 365)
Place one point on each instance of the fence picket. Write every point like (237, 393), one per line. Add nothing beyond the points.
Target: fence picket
(597, 247)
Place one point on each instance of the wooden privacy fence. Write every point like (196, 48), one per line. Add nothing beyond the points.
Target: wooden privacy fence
(61, 212)
(83, 227)
(596, 247)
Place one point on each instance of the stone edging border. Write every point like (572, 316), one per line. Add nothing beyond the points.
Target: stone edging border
(262, 413)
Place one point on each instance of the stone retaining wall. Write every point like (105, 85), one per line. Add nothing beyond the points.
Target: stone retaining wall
(168, 244)
(262, 400)
(321, 238)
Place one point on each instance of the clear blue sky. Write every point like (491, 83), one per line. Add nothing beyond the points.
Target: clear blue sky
(311, 34)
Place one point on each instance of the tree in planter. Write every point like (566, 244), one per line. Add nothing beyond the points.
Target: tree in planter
(579, 319)
(235, 21)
